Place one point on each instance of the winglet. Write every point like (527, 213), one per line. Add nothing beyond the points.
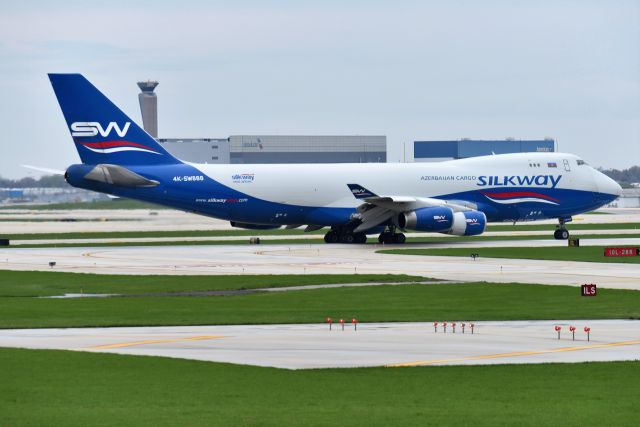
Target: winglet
(359, 192)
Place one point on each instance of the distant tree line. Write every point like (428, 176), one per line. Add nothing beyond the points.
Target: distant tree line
(625, 176)
(49, 181)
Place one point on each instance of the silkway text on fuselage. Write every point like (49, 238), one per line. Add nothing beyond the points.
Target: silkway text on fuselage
(519, 181)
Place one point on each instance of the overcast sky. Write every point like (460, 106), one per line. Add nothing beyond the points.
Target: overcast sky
(409, 70)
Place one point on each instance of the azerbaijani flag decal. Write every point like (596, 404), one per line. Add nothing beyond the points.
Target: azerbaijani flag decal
(552, 165)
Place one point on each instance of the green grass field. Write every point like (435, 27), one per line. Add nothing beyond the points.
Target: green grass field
(42, 387)
(98, 205)
(45, 283)
(563, 253)
(412, 302)
(150, 234)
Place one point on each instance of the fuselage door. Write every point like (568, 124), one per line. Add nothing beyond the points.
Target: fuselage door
(567, 167)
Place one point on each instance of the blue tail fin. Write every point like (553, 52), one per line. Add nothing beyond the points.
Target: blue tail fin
(101, 131)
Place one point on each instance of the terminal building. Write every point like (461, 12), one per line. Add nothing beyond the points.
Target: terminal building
(262, 148)
(279, 149)
(435, 151)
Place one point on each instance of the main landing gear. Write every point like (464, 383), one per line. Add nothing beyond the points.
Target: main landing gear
(344, 236)
(389, 237)
(561, 232)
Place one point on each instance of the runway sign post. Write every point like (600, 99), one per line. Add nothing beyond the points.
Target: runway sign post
(435, 327)
(453, 326)
(342, 323)
(573, 332)
(471, 325)
(558, 329)
(444, 326)
(589, 290)
(462, 326)
(355, 323)
(587, 330)
(621, 252)
(329, 321)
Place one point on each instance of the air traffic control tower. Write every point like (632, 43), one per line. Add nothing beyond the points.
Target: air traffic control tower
(149, 106)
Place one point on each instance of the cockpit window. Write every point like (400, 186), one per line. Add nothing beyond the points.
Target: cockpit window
(581, 162)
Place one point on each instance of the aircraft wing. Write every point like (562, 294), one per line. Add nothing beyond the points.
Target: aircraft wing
(376, 210)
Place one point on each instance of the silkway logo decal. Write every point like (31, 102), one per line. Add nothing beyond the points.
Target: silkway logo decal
(107, 147)
(243, 177)
(91, 129)
(520, 197)
(81, 129)
(550, 181)
(440, 218)
(507, 198)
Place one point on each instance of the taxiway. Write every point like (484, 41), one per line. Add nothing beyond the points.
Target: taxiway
(376, 344)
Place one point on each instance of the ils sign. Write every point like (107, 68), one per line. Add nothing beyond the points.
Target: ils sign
(589, 290)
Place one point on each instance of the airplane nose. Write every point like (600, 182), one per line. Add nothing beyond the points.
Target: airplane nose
(607, 185)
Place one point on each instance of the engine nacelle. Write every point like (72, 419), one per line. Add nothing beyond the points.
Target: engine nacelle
(436, 219)
(469, 223)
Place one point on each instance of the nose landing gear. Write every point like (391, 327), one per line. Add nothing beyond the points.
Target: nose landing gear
(561, 232)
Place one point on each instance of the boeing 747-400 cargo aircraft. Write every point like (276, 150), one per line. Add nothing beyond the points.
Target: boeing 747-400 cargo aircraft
(454, 197)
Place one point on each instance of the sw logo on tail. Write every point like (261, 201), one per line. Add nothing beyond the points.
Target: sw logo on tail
(83, 129)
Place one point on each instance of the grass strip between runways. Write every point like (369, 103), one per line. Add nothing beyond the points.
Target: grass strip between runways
(45, 387)
(48, 283)
(384, 303)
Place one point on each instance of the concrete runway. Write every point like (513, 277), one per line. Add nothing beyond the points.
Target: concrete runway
(329, 259)
(376, 344)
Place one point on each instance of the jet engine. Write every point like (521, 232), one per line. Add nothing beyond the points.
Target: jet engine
(468, 223)
(444, 220)
(435, 219)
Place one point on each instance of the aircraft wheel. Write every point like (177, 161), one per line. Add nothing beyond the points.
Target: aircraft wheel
(381, 237)
(399, 238)
(348, 238)
(556, 234)
(331, 237)
(360, 238)
(564, 234)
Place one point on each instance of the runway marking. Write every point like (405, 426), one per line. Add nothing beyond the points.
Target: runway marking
(514, 354)
(146, 342)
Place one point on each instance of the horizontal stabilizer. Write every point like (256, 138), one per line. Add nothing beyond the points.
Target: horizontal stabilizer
(46, 170)
(118, 175)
